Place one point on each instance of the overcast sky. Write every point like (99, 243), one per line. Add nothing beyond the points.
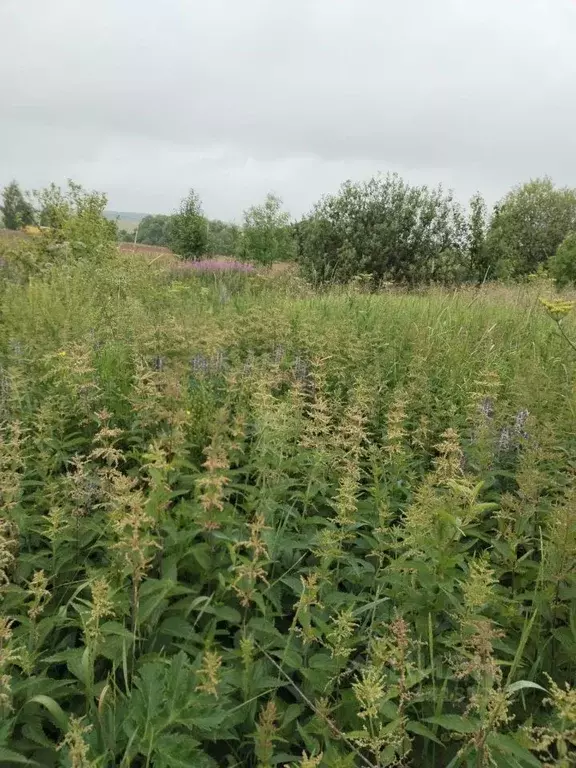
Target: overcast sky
(143, 99)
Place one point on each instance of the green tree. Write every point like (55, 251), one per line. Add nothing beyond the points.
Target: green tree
(222, 238)
(266, 233)
(75, 222)
(155, 230)
(528, 226)
(124, 236)
(387, 229)
(562, 265)
(188, 230)
(477, 228)
(16, 211)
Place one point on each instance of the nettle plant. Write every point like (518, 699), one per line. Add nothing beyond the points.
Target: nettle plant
(263, 533)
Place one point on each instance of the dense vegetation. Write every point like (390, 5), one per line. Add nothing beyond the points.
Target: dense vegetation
(246, 523)
(381, 230)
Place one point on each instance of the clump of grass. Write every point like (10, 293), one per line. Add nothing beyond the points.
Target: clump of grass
(264, 526)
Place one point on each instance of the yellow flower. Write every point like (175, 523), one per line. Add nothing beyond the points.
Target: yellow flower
(62, 353)
(558, 308)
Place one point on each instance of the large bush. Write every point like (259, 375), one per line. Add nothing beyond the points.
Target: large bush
(528, 226)
(266, 235)
(73, 224)
(16, 210)
(562, 266)
(155, 230)
(222, 237)
(188, 228)
(387, 229)
(477, 231)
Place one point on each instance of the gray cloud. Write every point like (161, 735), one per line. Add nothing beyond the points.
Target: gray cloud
(143, 99)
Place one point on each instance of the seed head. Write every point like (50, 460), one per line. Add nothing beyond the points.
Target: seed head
(478, 587)
(209, 673)
(37, 589)
(75, 742)
(369, 692)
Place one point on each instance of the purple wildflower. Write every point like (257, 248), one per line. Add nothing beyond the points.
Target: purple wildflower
(16, 347)
(202, 365)
(486, 408)
(4, 384)
(249, 364)
(217, 362)
(278, 354)
(505, 439)
(301, 371)
(520, 422)
(510, 436)
(303, 375)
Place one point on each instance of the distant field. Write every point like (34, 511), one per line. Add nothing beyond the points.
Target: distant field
(149, 251)
(7, 234)
(127, 220)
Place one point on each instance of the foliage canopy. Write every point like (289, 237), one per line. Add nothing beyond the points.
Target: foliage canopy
(387, 229)
(188, 232)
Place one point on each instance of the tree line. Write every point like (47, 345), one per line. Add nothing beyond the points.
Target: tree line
(265, 235)
(383, 229)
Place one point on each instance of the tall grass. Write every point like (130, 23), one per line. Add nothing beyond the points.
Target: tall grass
(244, 524)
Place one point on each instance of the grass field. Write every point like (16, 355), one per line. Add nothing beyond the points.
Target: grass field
(245, 523)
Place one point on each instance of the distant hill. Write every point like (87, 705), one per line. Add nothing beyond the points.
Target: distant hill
(125, 215)
(128, 220)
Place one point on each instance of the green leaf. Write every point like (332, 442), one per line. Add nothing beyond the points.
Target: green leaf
(420, 730)
(455, 723)
(76, 664)
(176, 626)
(520, 685)
(508, 745)
(147, 702)
(292, 712)
(177, 751)
(117, 629)
(8, 756)
(203, 556)
(53, 708)
(225, 613)
(288, 658)
(263, 626)
(207, 721)
(152, 595)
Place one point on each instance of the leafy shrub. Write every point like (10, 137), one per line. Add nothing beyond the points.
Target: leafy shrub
(73, 228)
(222, 238)
(188, 230)
(74, 225)
(155, 230)
(16, 210)
(528, 226)
(387, 229)
(562, 266)
(477, 231)
(266, 236)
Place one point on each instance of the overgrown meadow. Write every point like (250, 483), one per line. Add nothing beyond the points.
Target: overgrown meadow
(248, 524)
